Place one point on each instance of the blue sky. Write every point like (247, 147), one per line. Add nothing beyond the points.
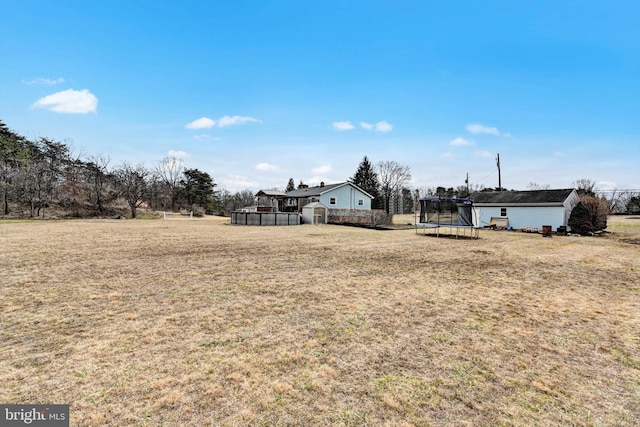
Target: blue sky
(257, 92)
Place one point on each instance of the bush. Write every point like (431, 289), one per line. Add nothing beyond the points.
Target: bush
(589, 215)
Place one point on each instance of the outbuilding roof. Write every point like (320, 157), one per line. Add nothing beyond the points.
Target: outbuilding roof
(314, 205)
(533, 197)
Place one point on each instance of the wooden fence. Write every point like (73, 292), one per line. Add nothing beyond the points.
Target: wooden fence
(356, 216)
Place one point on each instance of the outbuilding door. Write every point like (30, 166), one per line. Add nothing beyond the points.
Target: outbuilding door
(319, 215)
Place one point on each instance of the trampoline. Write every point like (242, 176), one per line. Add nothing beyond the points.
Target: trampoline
(454, 214)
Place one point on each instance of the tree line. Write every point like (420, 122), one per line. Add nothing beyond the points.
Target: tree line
(40, 175)
(388, 182)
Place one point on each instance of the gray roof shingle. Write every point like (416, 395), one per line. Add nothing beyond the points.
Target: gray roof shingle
(522, 197)
(313, 191)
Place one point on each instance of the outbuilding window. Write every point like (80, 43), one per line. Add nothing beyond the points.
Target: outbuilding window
(332, 201)
(360, 202)
(503, 211)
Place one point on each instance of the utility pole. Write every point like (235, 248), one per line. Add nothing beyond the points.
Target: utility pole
(499, 177)
(466, 181)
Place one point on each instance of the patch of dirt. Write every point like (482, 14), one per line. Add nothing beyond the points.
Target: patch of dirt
(631, 241)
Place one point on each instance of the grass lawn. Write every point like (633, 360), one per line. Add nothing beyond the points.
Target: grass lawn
(197, 323)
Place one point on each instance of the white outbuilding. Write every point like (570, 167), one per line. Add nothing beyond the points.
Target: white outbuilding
(524, 209)
(314, 213)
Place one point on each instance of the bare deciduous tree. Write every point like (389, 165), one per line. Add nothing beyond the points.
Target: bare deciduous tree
(585, 186)
(535, 186)
(238, 200)
(98, 182)
(170, 171)
(393, 176)
(131, 182)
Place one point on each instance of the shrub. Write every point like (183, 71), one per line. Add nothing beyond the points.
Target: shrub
(589, 215)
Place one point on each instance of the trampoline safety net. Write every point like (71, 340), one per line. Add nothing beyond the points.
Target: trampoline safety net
(446, 211)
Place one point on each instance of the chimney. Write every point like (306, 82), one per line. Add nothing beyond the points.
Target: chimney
(321, 183)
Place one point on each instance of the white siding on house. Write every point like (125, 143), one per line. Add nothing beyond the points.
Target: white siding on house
(346, 197)
(526, 209)
(568, 206)
(523, 216)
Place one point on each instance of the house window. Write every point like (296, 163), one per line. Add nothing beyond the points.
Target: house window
(332, 201)
(503, 211)
(360, 202)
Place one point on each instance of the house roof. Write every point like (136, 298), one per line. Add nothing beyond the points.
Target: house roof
(320, 190)
(534, 197)
(270, 193)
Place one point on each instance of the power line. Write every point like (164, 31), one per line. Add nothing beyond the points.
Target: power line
(485, 177)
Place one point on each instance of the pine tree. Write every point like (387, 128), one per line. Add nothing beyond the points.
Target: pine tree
(367, 179)
(579, 220)
(589, 215)
(290, 185)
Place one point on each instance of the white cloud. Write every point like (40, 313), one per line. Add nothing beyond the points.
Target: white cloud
(321, 169)
(342, 126)
(237, 182)
(484, 154)
(201, 123)
(69, 101)
(266, 167)
(558, 153)
(383, 126)
(202, 136)
(207, 123)
(44, 81)
(477, 128)
(461, 141)
(178, 154)
(607, 185)
(447, 155)
(235, 120)
(316, 180)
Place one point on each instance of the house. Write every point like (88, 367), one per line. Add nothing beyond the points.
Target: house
(269, 200)
(343, 195)
(345, 201)
(524, 209)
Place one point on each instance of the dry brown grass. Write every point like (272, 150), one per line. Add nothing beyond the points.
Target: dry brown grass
(202, 323)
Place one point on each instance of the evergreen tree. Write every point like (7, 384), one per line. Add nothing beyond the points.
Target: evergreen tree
(367, 179)
(589, 215)
(290, 185)
(198, 187)
(633, 205)
(579, 219)
(407, 200)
